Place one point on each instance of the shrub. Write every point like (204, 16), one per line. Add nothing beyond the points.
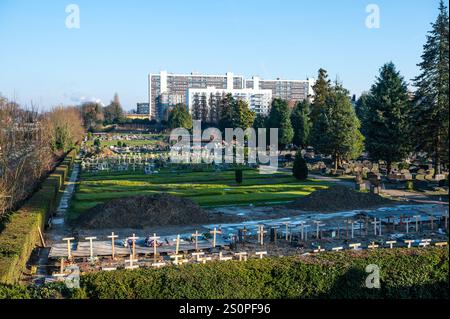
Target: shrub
(300, 169)
(409, 185)
(97, 142)
(238, 174)
(20, 235)
(405, 273)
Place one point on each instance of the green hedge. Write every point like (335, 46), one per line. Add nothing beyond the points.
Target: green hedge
(405, 273)
(21, 234)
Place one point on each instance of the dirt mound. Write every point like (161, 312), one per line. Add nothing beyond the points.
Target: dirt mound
(339, 198)
(146, 211)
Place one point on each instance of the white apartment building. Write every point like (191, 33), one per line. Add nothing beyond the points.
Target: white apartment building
(258, 100)
(168, 89)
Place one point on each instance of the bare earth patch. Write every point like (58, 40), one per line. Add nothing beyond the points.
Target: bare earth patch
(340, 198)
(147, 211)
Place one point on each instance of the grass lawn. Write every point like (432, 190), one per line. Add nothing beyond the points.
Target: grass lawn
(208, 189)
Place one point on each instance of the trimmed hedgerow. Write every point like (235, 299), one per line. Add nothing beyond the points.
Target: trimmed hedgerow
(412, 273)
(21, 234)
(404, 273)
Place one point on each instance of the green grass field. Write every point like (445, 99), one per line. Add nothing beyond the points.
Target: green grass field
(208, 189)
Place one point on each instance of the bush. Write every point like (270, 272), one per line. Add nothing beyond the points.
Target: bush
(409, 185)
(20, 235)
(238, 175)
(405, 273)
(97, 142)
(300, 169)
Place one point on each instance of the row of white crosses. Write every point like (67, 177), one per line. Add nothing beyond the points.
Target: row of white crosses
(357, 246)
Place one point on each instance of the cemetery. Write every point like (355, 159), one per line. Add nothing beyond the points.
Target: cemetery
(127, 219)
(137, 212)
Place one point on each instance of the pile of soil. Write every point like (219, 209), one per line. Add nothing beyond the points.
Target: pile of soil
(340, 198)
(147, 211)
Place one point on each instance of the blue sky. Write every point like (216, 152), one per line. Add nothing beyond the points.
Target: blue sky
(120, 42)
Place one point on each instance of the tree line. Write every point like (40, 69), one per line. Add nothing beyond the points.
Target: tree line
(31, 143)
(388, 122)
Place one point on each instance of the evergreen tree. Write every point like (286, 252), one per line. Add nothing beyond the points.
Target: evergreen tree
(300, 169)
(336, 131)
(361, 110)
(279, 117)
(204, 111)
(179, 117)
(321, 91)
(113, 113)
(227, 112)
(235, 114)
(196, 108)
(301, 123)
(388, 111)
(244, 116)
(260, 121)
(431, 104)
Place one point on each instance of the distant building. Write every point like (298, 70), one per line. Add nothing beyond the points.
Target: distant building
(257, 100)
(142, 108)
(167, 89)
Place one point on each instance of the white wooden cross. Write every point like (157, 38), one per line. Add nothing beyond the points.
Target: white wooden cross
(302, 227)
(355, 246)
(445, 215)
(69, 246)
(61, 273)
(131, 261)
(425, 242)
(158, 265)
(375, 224)
(407, 225)
(196, 236)
(391, 243)
(155, 244)
(260, 254)
(337, 248)
(409, 242)
(91, 248)
(372, 246)
(441, 244)
(176, 257)
(177, 245)
(224, 258)
(133, 244)
(261, 233)
(215, 232)
(306, 231)
(205, 259)
(319, 249)
(417, 217)
(432, 221)
(287, 230)
(197, 255)
(113, 238)
(242, 255)
(318, 225)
